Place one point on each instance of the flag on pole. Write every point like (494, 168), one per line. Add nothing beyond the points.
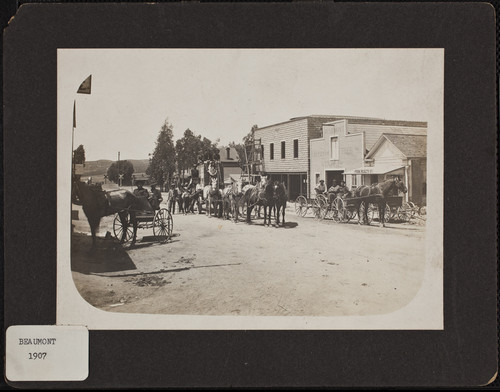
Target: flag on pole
(74, 113)
(85, 86)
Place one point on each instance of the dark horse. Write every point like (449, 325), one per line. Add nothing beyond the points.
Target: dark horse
(258, 196)
(376, 194)
(190, 198)
(97, 203)
(279, 200)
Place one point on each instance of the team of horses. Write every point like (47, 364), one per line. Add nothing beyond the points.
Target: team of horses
(229, 201)
(220, 202)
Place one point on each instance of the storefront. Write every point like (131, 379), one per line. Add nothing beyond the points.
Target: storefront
(368, 175)
(396, 155)
(295, 183)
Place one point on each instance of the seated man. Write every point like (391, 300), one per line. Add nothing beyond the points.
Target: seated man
(140, 191)
(320, 188)
(342, 189)
(333, 191)
(155, 199)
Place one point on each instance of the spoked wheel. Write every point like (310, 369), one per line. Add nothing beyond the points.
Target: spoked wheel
(317, 206)
(324, 208)
(339, 210)
(406, 212)
(301, 206)
(401, 214)
(163, 224)
(123, 228)
(370, 212)
(387, 213)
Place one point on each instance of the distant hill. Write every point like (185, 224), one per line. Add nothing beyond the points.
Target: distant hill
(100, 167)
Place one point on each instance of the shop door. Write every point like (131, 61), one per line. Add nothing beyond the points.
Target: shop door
(333, 175)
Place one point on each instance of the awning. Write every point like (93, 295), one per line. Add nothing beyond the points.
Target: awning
(377, 169)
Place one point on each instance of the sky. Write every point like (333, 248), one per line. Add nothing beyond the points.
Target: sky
(221, 93)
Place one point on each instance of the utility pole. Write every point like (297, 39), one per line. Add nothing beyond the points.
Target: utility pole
(119, 179)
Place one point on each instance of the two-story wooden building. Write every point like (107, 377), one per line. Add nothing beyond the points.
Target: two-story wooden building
(285, 150)
(347, 150)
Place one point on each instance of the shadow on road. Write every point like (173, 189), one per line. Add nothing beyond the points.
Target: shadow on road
(290, 225)
(107, 256)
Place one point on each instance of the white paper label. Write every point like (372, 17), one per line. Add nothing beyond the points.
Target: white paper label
(46, 353)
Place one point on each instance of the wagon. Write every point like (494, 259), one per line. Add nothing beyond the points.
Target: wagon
(159, 220)
(343, 209)
(303, 205)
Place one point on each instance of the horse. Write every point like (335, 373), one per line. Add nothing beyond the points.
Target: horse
(231, 197)
(189, 198)
(279, 200)
(259, 196)
(226, 201)
(212, 195)
(97, 203)
(376, 194)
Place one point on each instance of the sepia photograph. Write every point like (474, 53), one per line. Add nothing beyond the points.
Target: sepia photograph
(250, 188)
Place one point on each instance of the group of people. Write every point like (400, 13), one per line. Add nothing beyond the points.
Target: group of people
(154, 198)
(334, 190)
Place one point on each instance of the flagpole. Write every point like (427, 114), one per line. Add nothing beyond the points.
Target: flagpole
(73, 139)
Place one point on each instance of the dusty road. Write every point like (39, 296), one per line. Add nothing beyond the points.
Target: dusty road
(216, 267)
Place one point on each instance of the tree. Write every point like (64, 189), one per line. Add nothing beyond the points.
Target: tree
(208, 151)
(122, 167)
(192, 150)
(79, 155)
(246, 151)
(162, 164)
(242, 158)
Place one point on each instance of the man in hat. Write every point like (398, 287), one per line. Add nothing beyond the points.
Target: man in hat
(320, 188)
(140, 191)
(343, 190)
(155, 199)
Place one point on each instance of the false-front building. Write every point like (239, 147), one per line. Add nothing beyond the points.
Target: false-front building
(364, 151)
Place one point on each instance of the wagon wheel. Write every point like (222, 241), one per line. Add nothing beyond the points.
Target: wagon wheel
(388, 213)
(321, 207)
(411, 209)
(401, 214)
(370, 212)
(122, 228)
(163, 224)
(324, 209)
(301, 206)
(338, 210)
(317, 206)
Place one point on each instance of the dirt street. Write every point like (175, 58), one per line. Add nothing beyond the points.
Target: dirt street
(217, 267)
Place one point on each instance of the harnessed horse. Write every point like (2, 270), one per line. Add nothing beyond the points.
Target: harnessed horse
(97, 203)
(260, 196)
(279, 198)
(231, 197)
(212, 195)
(376, 194)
